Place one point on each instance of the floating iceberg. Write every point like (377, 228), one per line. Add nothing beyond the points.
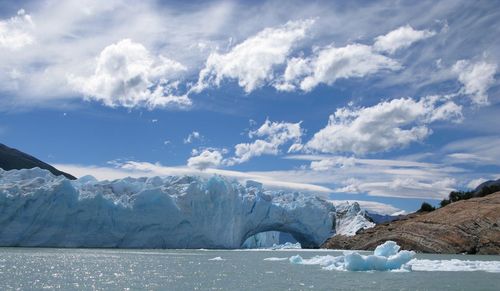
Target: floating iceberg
(389, 257)
(39, 209)
(385, 257)
(275, 259)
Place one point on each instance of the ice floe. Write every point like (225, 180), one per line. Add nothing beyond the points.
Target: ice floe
(389, 257)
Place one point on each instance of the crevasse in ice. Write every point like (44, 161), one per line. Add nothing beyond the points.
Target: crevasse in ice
(39, 209)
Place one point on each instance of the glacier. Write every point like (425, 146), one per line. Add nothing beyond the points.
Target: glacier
(350, 218)
(40, 209)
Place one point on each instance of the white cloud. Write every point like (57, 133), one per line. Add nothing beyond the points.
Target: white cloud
(192, 137)
(328, 163)
(329, 64)
(475, 182)
(145, 169)
(275, 135)
(384, 126)
(476, 79)
(402, 187)
(252, 61)
(206, 159)
(381, 178)
(15, 32)
(128, 75)
(484, 150)
(372, 206)
(400, 38)
(351, 61)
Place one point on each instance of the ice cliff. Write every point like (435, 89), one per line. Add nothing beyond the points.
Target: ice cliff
(40, 209)
(350, 218)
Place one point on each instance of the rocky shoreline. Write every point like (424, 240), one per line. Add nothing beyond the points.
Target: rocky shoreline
(469, 226)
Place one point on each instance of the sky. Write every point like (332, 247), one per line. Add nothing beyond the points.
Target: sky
(390, 103)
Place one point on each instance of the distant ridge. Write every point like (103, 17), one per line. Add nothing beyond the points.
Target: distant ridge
(13, 159)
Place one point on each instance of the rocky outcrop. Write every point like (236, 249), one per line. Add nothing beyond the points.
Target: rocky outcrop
(468, 226)
(13, 159)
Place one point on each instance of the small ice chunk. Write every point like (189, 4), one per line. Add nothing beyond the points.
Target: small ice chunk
(216, 259)
(297, 259)
(275, 259)
(286, 246)
(455, 265)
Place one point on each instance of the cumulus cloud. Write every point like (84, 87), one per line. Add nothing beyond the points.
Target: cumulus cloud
(352, 61)
(192, 137)
(206, 159)
(252, 61)
(272, 136)
(15, 31)
(476, 79)
(384, 126)
(128, 75)
(400, 38)
(329, 64)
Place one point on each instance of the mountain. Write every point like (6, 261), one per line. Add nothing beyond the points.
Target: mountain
(468, 226)
(487, 187)
(13, 159)
(350, 218)
(382, 218)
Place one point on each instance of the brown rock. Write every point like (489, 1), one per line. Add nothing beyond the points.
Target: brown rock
(469, 226)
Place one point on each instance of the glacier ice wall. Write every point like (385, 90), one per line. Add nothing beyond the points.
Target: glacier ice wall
(39, 209)
(262, 240)
(350, 218)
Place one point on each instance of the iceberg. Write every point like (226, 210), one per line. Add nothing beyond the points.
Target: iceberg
(40, 209)
(389, 257)
(385, 257)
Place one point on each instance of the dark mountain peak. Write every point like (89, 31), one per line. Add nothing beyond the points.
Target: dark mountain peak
(13, 159)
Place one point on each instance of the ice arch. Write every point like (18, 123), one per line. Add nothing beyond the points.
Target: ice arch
(39, 209)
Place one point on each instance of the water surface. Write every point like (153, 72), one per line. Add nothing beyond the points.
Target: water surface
(42, 268)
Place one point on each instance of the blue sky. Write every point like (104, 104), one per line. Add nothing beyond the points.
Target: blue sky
(389, 103)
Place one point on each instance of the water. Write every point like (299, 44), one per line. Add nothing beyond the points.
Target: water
(35, 268)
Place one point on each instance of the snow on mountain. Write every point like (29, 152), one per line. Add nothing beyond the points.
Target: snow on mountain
(40, 209)
(350, 218)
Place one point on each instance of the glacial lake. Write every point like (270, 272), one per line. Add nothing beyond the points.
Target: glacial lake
(126, 269)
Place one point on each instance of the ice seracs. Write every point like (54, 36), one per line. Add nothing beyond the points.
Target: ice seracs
(350, 218)
(39, 209)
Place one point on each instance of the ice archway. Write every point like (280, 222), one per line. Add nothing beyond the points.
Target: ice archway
(39, 209)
